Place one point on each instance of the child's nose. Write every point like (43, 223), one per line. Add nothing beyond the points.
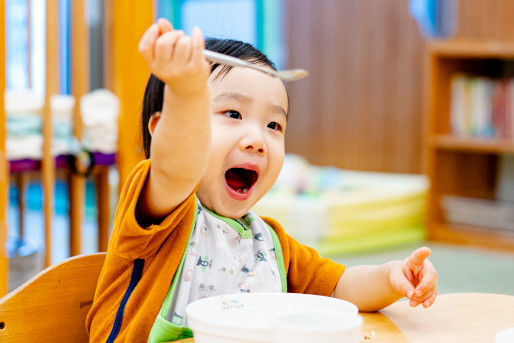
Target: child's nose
(260, 150)
(253, 141)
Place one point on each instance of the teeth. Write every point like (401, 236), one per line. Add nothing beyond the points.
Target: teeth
(245, 190)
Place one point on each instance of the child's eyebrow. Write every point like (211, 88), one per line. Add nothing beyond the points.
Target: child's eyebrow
(246, 99)
(280, 110)
(233, 96)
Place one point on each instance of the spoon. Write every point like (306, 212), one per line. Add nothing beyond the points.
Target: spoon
(286, 75)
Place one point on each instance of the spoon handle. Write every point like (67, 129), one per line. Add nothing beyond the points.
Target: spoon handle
(216, 57)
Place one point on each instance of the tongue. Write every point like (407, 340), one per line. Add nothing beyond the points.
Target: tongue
(235, 179)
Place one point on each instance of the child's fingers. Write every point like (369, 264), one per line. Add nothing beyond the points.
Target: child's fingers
(417, 258)
(408, 273)
(407, 289)
(413, 303)
(428, 302)
(165, 45)
(428, 282)
(164, 25)
(147, 42)
(182, 51)
(426, 299)
(198, 46)
(400, 283)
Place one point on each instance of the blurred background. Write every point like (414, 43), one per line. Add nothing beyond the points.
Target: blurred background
(401, 136)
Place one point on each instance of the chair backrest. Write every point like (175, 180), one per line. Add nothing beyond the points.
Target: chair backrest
(52, 306)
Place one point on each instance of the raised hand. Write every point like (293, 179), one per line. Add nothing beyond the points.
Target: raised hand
(415, 278)
(175, 58)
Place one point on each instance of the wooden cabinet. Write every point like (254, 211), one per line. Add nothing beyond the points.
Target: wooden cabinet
(462, 166)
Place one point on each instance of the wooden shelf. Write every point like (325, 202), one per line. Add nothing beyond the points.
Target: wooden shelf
(462, 166)
(472, 236)
(476, 145)
(472, 49)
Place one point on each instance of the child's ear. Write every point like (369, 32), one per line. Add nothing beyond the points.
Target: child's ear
(152, 123)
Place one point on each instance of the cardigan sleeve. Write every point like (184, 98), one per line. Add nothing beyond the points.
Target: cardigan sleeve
(307, 272)
(130, 240)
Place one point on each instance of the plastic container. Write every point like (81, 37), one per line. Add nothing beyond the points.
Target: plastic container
(505, 336)
(249, 317)
(308, 327)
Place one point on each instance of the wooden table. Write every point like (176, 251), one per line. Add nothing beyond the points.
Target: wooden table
(466, 317)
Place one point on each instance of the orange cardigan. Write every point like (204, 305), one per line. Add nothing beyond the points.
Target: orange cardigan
(141, 263)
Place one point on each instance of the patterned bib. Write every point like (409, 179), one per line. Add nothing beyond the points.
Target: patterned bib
(226, 256)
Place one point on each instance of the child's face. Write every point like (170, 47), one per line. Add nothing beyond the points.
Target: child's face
(249, 117)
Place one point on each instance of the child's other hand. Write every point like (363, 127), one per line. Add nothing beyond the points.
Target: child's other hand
(175, 58)
(416, 278)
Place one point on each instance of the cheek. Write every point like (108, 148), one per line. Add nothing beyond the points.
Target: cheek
(277, 165)
(276, 158)
(220, 134)
(214, 165)
(220, 143)
(277, 143)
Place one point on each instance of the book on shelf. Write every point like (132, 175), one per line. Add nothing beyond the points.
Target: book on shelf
(479, 213)
(482, 107)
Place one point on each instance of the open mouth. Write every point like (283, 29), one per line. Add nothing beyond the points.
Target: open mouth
(241, 180)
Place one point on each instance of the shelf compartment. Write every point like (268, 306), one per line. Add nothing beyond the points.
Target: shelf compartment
(471, 236)
(472, 49)
(61, 162)
(462, 166)
(472, 144)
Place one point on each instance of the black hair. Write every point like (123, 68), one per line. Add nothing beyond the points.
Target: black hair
(154, 92)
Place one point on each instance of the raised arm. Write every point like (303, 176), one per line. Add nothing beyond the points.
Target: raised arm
(181, 133)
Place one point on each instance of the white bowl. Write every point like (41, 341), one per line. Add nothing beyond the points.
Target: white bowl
(505, 336)
(308, 327)
(248, 317)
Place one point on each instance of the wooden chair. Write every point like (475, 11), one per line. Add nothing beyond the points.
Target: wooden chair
(52, 306)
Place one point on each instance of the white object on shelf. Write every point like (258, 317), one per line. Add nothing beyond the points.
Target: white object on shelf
(62, 123)
(248, 317)
(22, 147)
(99, 111)
(24, 101)
(62, 107)
(479, 212)
(24, 136)
(459, 108)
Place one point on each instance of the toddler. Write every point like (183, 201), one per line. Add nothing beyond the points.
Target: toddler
(214, 141)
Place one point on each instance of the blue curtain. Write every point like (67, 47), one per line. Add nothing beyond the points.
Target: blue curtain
(436, 18)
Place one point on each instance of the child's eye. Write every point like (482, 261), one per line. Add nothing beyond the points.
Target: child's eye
(233, 114)
(275, 126)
